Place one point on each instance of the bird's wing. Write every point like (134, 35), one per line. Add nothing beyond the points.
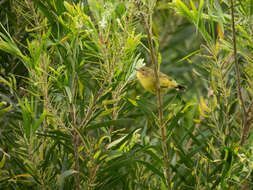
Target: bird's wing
(164, 81)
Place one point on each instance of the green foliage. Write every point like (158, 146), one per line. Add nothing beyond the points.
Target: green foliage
(75, 117)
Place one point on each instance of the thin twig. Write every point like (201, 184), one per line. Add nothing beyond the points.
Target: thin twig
(77, 167)
(44, 66)
(76, 152)
(236, 60)
(100, 91)
(148, 24)
(245, 128)
(90, 109)
(45, 90)
(75, 136)
(93, 176)
(250, 108)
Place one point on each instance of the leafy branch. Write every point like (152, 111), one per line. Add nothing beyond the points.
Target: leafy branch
(148, 25)
(245, 127)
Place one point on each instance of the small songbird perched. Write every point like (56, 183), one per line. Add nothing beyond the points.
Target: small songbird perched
(147, 79)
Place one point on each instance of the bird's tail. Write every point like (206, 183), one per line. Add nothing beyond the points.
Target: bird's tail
(180, 87)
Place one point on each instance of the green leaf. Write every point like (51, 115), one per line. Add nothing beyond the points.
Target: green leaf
(64, 175)
(2, 161)
(122, 141)
(152, 168)
(96, 7)
(26, 117)
(183, 9)
(68, 93)
(111, 122)
(42, 117)
(8, 45)
(47, 11)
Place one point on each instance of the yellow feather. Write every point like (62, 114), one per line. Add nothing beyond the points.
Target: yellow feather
(147, 79)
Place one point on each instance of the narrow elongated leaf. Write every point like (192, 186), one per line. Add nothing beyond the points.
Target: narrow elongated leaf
(152, 168)
(111, 122)
(2, 162)
(42, 117)
(64, 175)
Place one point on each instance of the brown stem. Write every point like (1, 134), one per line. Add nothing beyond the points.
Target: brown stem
(100, 91)
(45, 90)
(75, 139)
(91, 108)
(245, 128)
(250, 108)
(93, 176)
(89, 114)
(115, 112)
(81, 125)
(77, 167)
(148, 24)
(75, 145)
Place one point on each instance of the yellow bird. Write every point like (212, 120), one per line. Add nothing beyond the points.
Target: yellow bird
(147, 79)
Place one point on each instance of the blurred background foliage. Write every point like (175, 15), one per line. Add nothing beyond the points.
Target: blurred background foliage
(73, 116)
